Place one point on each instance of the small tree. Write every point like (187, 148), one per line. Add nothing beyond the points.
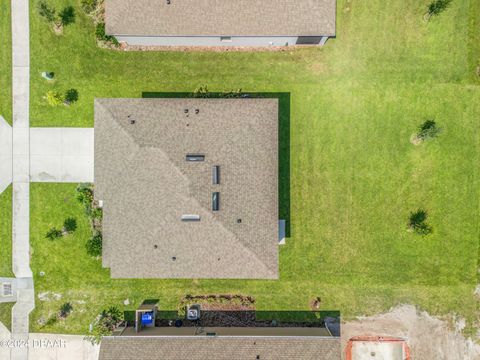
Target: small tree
(69, 225)
(94, 245)
(71, 96)
(54, 98)
(46, 11)
(65, 310)
(67, 16)
(417, 222)
(428, 130)
(53, 234)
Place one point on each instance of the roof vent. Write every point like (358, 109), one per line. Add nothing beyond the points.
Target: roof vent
(215, 201)
(197, 111)
(190, 217)
(195, 157)
(216, 175)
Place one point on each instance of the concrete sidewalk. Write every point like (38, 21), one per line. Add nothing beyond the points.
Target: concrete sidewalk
(21, 173)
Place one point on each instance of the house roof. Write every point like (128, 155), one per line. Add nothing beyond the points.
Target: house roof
(220, 17)
(220, 348)
(146, 185)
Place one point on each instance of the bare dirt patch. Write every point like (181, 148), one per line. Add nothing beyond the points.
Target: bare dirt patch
(428, 337)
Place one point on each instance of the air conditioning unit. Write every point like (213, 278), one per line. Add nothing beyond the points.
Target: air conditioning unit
(193, 312)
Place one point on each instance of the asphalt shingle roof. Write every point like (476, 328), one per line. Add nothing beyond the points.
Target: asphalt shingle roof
(220, 348)
(220, 17)
(146, 185)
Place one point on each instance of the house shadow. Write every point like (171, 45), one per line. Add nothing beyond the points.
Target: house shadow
(283, 138)
(255, 319)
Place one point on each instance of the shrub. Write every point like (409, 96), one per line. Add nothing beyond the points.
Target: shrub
(85, 196)
(232, 94)
(70, 225)
(428, 130)
(201, 92)
(97, 214)
(46, 11)
(105, 324)
(417, 222)
(65, 310)
(71, 96)
(54, 98)
(67, 16)
(94, 245)
(53, 234)
(437, 6)
(102, 36)
(88, 6)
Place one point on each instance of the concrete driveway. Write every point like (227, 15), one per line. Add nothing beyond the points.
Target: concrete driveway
(61, 154)
(61, 347)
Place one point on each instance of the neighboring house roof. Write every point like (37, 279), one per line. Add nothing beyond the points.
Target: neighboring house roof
(220, 17)
(146, 185)
(220, 348)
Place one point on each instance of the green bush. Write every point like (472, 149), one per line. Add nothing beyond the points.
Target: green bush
(437, 6)
(417, 222)
(105, 324)
(67, 15)
(94, 245)
(70, 225)
(53, 234)
(88, 6)
(65, 309)
(102, 36)
(201, 92)
(85, 196)
(71, 96)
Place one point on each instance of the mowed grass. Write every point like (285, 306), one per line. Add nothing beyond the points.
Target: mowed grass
(354, 175)
(6, 249)
(6, 61)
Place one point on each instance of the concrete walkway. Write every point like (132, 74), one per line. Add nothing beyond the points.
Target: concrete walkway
(21, 174)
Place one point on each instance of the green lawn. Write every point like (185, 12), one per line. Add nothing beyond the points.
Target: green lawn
(354, 175)
(6, 249)
(6, 61)
(6, 233)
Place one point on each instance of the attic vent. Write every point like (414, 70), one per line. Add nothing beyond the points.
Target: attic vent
(7, 289)
(225, 38)
(195, 157)
(215, 201)
(190, 217)
(216, 175)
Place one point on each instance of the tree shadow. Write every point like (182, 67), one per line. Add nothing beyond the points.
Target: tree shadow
(283, 138)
